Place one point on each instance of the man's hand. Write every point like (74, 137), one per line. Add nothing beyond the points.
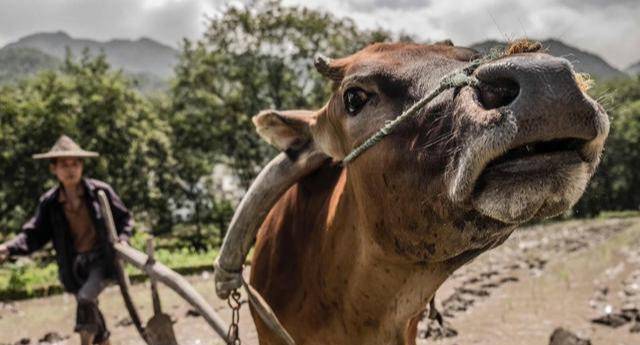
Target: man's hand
(4, 253)
(226, 281)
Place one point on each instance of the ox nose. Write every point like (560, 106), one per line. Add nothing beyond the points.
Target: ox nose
(543, 95)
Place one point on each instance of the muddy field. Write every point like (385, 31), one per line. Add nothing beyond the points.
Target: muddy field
(583, 276)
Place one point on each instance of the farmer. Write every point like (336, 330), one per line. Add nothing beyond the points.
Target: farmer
(69, 216)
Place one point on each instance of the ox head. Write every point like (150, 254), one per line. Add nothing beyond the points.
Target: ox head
(476, 161)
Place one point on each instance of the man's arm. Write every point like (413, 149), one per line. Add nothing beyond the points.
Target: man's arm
(121, 216)
(35, 234)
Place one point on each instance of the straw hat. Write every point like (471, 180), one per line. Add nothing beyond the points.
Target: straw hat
(65, 147)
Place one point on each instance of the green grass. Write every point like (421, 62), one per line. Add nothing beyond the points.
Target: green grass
(36, 279)
(27, 279)
(618, 214)
(39, 277)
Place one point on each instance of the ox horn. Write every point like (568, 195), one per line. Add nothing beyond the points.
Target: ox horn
(272, 182)
(324, 66)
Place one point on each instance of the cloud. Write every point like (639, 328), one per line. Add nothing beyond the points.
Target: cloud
(608, 28)
(377, 5)
(600, 3)
(164, 20)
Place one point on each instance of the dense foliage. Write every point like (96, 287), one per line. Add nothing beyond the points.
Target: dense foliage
(616, 185)
(250, 59)
(97, 107)
(165, 154)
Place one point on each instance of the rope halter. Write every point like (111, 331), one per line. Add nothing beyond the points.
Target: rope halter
(456, 79)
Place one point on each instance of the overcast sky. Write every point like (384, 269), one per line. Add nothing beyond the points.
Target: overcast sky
(609, 28)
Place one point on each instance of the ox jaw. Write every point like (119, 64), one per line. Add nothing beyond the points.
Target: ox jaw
(492, 175)
(540, 186)
(517, 190)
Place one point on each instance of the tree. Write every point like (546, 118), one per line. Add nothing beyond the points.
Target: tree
(251, 58)
(616, 184)
(100, 110)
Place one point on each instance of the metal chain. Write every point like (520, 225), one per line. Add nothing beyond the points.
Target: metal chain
(233, 334)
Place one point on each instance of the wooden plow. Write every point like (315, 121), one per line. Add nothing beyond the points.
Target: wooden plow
(159, 329)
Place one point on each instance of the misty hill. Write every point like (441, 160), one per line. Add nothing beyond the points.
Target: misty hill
(135, 56)
(633, 69)
(17, 63)
(582, 61)
(151, 63)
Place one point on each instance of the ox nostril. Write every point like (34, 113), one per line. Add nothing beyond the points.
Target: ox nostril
(497, 93)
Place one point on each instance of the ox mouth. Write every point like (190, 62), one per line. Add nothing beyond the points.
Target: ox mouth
(517, 163)
(524, 157)
(537, 179)
(530, 137)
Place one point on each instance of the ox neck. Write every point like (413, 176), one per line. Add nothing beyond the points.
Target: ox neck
(378, 291)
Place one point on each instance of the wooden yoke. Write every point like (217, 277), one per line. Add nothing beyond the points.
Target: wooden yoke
(272, 182)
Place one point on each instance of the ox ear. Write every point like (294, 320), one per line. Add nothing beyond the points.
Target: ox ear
(287, 130)
(294, 131)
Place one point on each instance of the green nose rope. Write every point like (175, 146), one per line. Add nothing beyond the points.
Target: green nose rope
(456, 79)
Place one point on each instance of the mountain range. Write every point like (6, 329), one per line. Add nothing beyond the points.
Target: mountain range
(19, 62)
(582, 61)
(151, 62)
(143, 55)
(633, 69)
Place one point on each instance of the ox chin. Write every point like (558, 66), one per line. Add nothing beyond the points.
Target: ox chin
(514, 191)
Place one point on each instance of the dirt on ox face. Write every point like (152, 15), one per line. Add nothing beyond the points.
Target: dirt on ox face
(560, 275)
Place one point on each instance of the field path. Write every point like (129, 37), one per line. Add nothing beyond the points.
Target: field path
(34, 318)
(542, 278)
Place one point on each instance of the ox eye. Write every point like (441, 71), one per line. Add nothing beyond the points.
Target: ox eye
(355, 99)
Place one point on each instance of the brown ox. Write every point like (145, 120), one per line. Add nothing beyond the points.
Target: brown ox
(351, 255)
